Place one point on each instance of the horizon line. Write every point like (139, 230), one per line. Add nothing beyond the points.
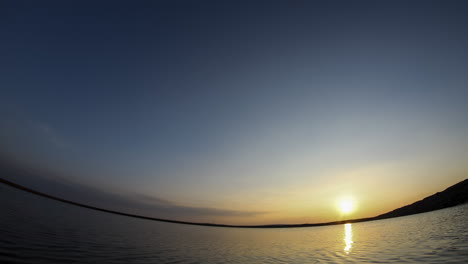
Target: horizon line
(26, 189)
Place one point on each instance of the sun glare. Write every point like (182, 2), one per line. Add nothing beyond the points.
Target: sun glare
(346, 206)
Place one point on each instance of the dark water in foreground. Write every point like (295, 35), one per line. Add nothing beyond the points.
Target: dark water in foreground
(37, 230)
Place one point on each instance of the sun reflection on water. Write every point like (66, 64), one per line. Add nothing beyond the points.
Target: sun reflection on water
(348, 238)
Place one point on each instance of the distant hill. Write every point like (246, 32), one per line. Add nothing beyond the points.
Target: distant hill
(454, 195)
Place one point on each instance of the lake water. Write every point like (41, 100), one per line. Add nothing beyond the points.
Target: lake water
(38, 230)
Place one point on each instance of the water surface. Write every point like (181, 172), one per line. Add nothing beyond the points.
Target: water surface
(34, 229)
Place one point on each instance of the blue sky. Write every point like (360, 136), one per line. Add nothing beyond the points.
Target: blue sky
(250, 105)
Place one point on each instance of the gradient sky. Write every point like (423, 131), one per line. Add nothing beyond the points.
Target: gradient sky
(244, 112)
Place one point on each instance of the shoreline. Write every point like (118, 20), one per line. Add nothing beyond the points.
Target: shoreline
(26, 189)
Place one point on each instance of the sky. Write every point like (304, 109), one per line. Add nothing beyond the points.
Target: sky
(235, 112)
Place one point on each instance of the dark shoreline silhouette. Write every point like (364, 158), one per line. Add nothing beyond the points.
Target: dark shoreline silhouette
(454, 195)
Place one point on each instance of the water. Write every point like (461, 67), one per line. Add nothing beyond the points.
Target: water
(37, 230)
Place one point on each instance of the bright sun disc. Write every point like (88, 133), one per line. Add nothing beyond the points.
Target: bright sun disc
(346, 206)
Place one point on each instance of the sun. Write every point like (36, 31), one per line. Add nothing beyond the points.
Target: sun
(346, 205)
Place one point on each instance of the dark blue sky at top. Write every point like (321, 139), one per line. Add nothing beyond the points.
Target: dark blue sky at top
(130, 89)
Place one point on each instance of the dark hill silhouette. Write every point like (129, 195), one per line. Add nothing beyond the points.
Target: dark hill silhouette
(454, 195)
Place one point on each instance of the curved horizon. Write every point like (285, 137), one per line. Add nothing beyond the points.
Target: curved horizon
(23, 188)
(374, 218)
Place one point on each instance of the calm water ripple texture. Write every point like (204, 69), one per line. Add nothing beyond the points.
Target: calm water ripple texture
(37, 230)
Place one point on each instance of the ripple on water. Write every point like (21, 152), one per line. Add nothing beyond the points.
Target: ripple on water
(37, 230)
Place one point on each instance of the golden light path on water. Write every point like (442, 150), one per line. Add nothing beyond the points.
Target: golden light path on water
(348, 237)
